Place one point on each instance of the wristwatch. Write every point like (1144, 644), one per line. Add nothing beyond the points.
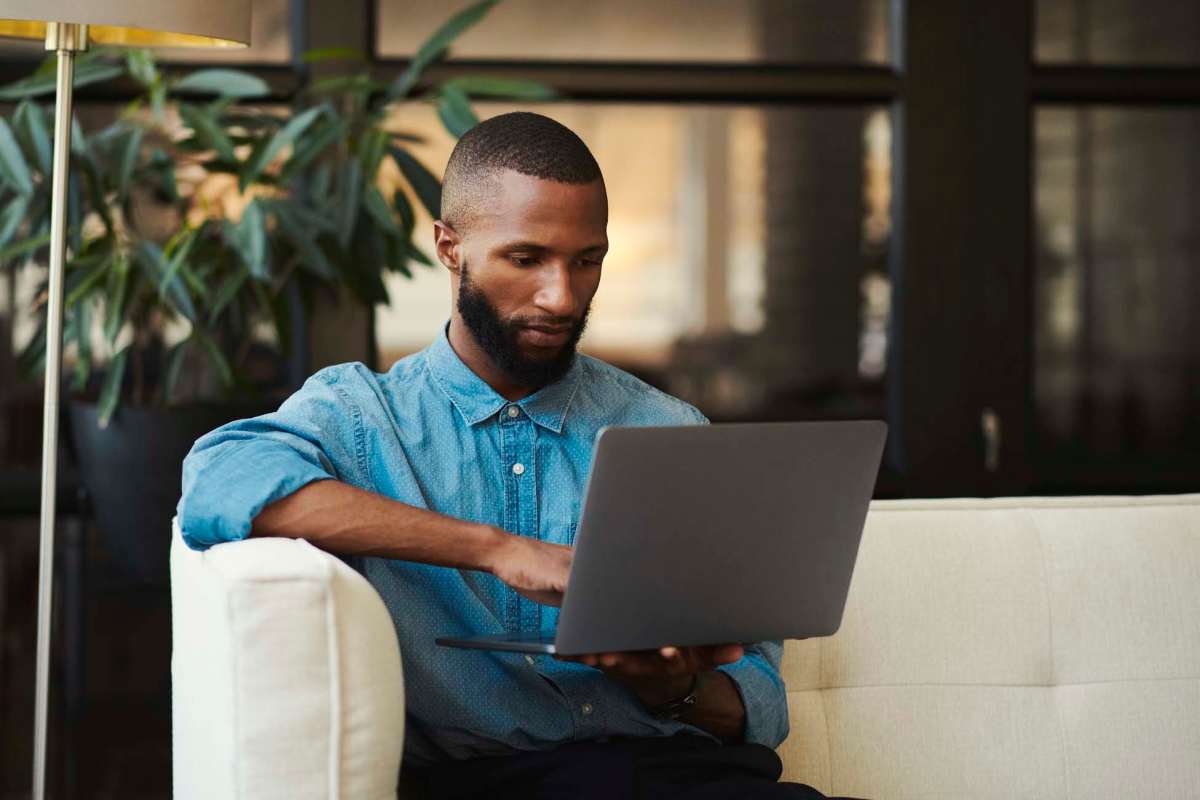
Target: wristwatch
(674, 709)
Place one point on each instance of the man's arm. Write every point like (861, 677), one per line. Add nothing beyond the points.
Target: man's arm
(343, 519)
(661, 676)
(292, 474)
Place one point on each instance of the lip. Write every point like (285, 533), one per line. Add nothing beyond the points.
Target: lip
(546, 336)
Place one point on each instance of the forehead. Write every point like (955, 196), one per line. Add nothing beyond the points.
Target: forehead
(522, 205)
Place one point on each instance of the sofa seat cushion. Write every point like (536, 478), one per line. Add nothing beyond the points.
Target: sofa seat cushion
(1009, 648)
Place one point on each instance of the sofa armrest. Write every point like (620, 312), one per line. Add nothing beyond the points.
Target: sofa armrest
(286, 675)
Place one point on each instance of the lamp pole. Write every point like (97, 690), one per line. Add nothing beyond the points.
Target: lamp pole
(66, 39)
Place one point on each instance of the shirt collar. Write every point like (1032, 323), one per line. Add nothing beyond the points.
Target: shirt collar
(477, 401)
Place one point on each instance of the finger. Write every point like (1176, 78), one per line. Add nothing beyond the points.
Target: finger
(727, 653)
(669, 653)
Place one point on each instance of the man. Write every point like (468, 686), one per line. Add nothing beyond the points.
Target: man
(453, 482)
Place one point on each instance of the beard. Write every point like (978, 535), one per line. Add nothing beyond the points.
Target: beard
(498, 338)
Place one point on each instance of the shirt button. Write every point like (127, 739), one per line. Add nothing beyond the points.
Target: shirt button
(518, 469)
(586, 708)
(529, 660)
(513, 411)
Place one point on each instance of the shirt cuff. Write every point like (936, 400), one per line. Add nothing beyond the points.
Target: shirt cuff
(764, 697)
(238, 487)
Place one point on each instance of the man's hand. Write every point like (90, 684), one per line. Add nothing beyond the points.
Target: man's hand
(659, 676)
(538, 570)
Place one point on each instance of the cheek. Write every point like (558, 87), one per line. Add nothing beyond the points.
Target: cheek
(585, 286)
(506, 289)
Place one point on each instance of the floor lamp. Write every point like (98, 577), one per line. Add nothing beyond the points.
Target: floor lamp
(67, 27)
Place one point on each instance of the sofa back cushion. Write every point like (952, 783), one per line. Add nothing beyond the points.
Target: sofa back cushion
(1009, 648)
(286, 675)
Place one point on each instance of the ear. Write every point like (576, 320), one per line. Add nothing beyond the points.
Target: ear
(447, 244)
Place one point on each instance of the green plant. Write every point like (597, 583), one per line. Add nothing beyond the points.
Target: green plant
(159, 282)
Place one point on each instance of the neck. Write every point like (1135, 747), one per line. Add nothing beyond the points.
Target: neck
(480, 362)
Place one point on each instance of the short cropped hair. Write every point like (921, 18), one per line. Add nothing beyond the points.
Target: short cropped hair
(528, 143)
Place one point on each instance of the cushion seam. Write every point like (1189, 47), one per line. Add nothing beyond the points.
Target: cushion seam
(928, 685)
(335, 686)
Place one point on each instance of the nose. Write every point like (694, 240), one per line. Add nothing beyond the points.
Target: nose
(555, 295)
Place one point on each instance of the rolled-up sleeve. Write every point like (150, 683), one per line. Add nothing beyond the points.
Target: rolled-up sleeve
(235, 471)
(763, 693)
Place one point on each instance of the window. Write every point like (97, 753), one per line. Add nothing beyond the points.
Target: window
(748, 269)
(1117, 336)
(690, 31)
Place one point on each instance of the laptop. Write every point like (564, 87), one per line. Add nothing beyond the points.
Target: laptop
(712, 534)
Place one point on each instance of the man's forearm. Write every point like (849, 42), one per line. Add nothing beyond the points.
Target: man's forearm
(343, 519)
(719, 708)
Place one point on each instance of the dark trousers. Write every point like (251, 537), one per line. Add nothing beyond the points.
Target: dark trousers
(657, 768)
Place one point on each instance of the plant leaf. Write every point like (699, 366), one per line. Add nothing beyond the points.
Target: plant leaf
(140, 63)
(31, 119)
(11, 219)
(284, 137)
(207, 130)
(129, 160)
(333, 54)
(345, 84)
(370, 151)
(249, 237)
(110, 393)
(312, 257)
(311, 147)
(417, 254)
(408, 219)
(510, 88)
(116, 297)
(377, 207)
(12, 162)
(436, 45)
(32, 358)
(454, 109)
(86, 73)
(79, 140)
(174, 368)
(223, 83)
(25, 247)
(163, 165)
(397, 259)
(426, 186)
(350, 190)
(218, 358)
(82, 329)
(89, 282)
(177, 253)
(150, 256)
(229, 288)
(321, 179)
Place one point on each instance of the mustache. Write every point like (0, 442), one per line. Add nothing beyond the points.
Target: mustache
(546, 322)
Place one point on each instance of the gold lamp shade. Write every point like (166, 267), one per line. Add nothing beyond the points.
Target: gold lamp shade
(136, 23)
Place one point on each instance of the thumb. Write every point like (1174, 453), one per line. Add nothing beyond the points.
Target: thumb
(727, 653)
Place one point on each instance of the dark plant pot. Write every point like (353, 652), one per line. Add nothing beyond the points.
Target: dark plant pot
(132, 472)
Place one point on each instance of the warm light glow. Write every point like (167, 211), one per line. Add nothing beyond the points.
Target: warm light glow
(107, 34)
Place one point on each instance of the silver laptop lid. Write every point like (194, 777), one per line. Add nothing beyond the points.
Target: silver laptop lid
(716, 534)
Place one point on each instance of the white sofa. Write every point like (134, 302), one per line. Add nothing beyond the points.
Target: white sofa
(1032, 648)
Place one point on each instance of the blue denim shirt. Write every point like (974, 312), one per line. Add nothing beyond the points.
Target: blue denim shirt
(432, 434)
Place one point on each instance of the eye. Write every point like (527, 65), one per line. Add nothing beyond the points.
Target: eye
(522, 260)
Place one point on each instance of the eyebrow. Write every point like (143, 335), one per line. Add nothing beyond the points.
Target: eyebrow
(539, 248)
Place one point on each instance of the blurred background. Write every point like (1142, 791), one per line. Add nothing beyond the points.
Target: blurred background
(978, 221)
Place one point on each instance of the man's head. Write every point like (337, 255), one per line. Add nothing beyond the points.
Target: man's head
(523, 232)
